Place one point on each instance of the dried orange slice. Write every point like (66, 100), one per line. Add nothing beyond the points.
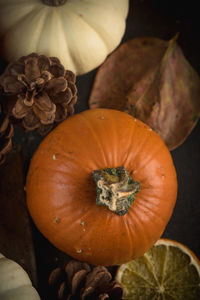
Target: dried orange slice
(168, 271)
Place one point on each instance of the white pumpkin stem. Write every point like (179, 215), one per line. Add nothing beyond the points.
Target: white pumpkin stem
(115, 189)
(54, 2)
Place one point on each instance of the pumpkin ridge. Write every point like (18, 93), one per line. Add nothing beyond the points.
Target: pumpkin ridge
(83, 136)
(6, 10)
(108, 221)
(82, 241)
(26, 16)
(116, 154)
(74, 54)
(92, 131)
(153, 213)
(93, 29)
(20, 23)
(41, 26)
(62, 19)
(129, 229)
(139, 224)
(102, 34)
(131, 136)
(142, 146)
(150, 157)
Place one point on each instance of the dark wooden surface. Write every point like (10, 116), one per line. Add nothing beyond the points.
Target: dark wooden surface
(16, 241)
(146, 18)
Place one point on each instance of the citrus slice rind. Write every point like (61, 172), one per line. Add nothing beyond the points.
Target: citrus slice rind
(168, 271)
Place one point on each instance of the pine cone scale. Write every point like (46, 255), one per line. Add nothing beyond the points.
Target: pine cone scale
(43, 102)
(39, 86)
(32, 70)
(20, 110)
(63, 98)
(15, 68)
(56, 85)
(6, 134)
(45, 117)
(82, 282)
(44, 63)
(77, 280)
(31, 121)
(11, 85)
(57, 70)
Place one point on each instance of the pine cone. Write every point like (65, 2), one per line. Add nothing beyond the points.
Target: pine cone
(37, 92)
(79, 281)
(6, 133)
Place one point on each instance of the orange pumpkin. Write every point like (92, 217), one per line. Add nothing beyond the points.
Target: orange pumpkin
(103, 225)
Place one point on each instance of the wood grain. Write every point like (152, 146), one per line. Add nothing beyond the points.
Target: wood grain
(15, 228)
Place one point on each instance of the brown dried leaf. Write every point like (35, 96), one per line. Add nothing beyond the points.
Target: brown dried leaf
(150, 79)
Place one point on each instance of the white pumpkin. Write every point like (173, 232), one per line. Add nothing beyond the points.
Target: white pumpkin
(81, 33)
(14, 282)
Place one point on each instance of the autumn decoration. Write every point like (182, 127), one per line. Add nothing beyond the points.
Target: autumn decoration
(37, 92)
(80, 33)
(14, 282)
(78, 280)
(150, 79)
(101, 187)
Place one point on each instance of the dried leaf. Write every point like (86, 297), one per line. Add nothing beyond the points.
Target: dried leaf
(150, 79)
(38, 84)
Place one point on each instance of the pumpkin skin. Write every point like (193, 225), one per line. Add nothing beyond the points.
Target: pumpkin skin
(61, 192)
(14, 282)
(81, 33)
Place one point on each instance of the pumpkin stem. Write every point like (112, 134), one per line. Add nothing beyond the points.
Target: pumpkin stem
(115, 189)
(54, 2)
